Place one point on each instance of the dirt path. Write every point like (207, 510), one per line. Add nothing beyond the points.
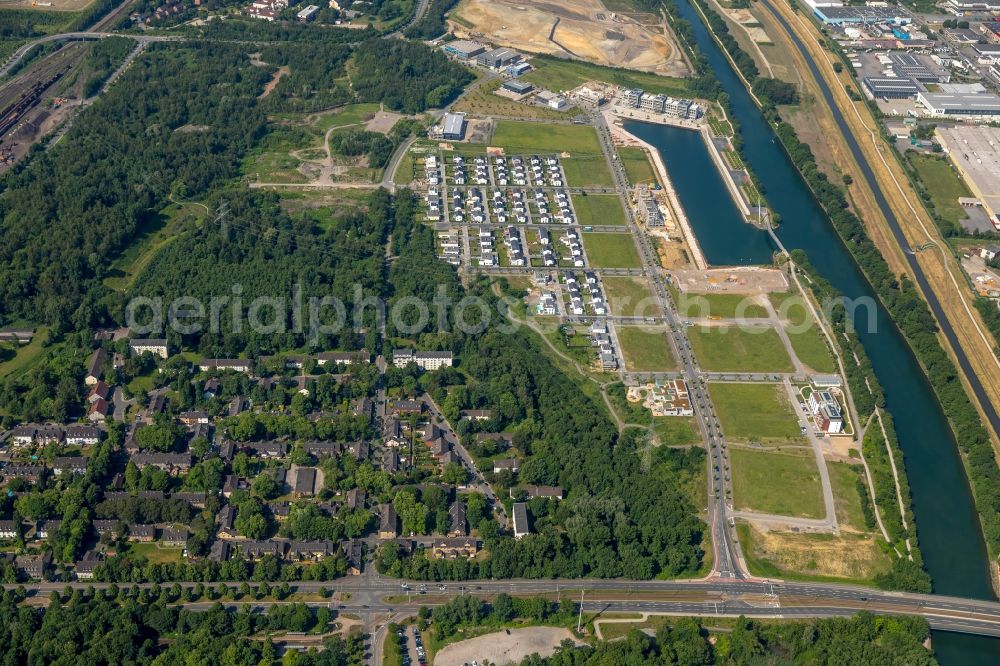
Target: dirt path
(275, 80)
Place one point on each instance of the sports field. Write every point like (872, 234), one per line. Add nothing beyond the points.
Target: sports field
(646, 349)
(611, 250)
(517, 137)
(780, 483)
(755, 412)
(735, 349)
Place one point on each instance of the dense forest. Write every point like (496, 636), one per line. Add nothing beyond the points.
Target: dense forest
(70, 211)
(133, 627)
(103, 58)
(433, 23)
(258, 252)
(406, 76)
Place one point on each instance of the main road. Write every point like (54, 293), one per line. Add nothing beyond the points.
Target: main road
(371, 594)
(727, 561)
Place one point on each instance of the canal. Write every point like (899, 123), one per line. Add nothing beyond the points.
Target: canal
(948, 528)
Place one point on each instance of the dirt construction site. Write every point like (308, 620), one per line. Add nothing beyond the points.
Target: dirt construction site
(582, 29)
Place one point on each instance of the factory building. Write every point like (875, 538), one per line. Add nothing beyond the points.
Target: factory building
(453, 127)
(517, 87)
(498, 58)
(889, 88)
(947, 104)
(463, 49)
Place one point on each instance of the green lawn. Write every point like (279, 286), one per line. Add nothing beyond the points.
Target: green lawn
(638, 168)
(630, 296)
(25, 355)
(780, 483)
(790, 306)
(846, 499)
(943, 184)
(518, 137)
(676, 430)
(611, 250)
(735, 349)
(352, 114)
(811, 348)
(726, 306)
(594, 209)
(645, 349)
(587, 171)
(557, 74)
(756, 412)
(156, 553)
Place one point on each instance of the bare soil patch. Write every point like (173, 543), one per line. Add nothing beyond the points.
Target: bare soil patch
(579, 28)
(504, 647)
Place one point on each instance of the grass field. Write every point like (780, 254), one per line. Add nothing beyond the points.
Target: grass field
(645, 349)
(483, 101)
(790, 306)
(782, 483)
(727, 306)
(943, 184)
(630, 296)
(846, 500)
(594, 209)
(810, 346)
(845, 558)
(25, 355)
(518, 137)
(352, 114)
(611, 250)
(638, 168)
(557, 74)
(156, 553)
(587, 171)
(676, 430)
(734, 349)
(756, 412)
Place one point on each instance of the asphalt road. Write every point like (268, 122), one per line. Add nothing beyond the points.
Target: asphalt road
(727, 561)
(706, 598)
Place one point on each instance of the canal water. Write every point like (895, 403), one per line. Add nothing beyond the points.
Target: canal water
(947, 525)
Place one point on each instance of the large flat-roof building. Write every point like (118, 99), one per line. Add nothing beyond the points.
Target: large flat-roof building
(521, 527)
(517, 86)
(498, 58)
(975, 152)
(841, 15)
(889, 87)
(918, 68)
(453, 127)
(984, 105)
(463, 49)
